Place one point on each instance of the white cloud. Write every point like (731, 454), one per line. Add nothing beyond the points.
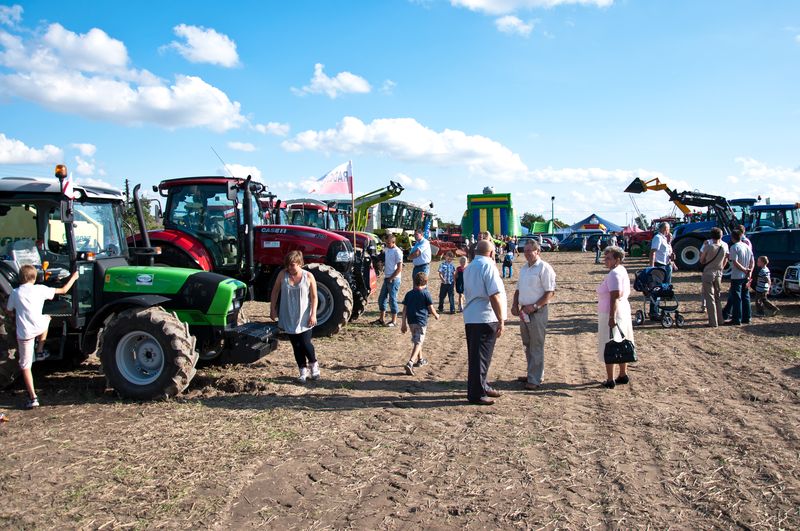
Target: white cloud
(205, 45)
(501, 7)
(13, 151)
(239, 170)
(241, 146)
(388, 87)
(413, 183)
(406, 139)
(11, 15)
(84, 167)
(797, 39)
(94, 51)
(272, 128)
(88, 75)
(780, 183)
(342, 83)
(87, 150)
(511, 25)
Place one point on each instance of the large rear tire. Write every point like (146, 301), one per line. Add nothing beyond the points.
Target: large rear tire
(687, 254)
(334, 300)
(359, 306)
(9, 367)
(147, 353)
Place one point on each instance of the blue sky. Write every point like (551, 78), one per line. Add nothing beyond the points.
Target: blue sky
(539, 98)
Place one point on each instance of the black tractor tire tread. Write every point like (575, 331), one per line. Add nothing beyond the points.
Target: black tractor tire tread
(181, 342)
(333, 326)
(9, 367)
(683, 244)
(359, 306)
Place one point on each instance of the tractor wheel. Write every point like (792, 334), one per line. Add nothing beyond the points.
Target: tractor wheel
(359, 306)
(9, 367)
(172, 257)
(687, 254)
(334, 300)
(147, 353)
(776, 287)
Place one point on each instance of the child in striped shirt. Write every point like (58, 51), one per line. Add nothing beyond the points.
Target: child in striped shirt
(447, 273)
(762, 288)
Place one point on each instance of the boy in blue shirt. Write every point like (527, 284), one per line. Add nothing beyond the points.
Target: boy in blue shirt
(417, 304)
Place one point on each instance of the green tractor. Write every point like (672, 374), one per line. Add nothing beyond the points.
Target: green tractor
(148, 324)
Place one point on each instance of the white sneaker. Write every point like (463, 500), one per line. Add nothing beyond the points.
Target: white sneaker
(315, 370)
(303, 375)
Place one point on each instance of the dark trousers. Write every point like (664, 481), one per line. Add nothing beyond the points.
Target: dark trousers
(762, 301)
(303, 348)
(480, 346)
(446, 289)
(740, 301)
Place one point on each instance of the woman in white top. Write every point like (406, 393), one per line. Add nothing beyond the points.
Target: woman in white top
(613, 310)
(298, 312)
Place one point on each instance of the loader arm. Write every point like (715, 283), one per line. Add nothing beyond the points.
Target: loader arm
(639, 186)
(684, 200)
(363, 202)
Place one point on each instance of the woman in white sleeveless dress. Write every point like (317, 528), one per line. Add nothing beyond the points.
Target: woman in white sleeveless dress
(614, 310)
(297, 312)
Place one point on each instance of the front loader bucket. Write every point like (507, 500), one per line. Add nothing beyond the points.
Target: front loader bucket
(636, 187)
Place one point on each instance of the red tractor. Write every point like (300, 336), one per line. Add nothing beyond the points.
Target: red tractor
(217, 224)
(315, 213)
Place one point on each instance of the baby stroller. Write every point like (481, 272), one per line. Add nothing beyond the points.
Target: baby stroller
(659, 296)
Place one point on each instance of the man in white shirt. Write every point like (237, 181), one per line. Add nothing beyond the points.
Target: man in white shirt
(661, 251)
(742, 265)
(535, 289)
(392, 269)
(420, 254)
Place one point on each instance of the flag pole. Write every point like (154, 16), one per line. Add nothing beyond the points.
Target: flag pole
(353, 205)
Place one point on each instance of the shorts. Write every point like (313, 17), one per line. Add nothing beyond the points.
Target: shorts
(25, 352)
(417, 334)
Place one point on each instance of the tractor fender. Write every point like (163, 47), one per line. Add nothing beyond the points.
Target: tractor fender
(178, 246)
(119, 305)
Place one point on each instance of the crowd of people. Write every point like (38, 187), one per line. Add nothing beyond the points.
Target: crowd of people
(475, 288)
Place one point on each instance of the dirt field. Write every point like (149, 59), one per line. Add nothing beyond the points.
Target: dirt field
(705, 436)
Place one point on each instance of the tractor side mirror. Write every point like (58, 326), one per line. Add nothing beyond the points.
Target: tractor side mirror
(232, 192)
(158, 214)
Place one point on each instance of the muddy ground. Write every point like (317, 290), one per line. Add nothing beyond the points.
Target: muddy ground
(706, 434)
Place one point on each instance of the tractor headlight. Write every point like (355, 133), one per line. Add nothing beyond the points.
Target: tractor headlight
(344, 256)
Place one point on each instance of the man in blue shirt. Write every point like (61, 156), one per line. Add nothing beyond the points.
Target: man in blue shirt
(484, 320)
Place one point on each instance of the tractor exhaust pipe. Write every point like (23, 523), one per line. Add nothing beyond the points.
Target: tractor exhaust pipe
(137, 206)
(249, 237)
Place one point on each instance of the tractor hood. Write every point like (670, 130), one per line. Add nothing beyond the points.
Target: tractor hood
(209, 293)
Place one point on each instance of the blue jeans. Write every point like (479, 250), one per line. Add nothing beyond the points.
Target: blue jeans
(425, 268)
(446, 289)
(389, 289)
(510, 271)
(740, 301)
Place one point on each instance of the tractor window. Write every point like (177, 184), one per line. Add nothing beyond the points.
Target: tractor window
(98, 228)
(17, 222)
(389, 215)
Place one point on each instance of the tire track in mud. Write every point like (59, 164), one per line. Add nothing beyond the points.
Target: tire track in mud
(403, 451)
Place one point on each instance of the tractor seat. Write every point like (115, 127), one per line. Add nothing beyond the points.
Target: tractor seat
(24, 252)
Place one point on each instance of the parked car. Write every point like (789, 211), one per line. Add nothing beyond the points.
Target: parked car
(791, 280)
(543, 243)
(574, 242)
(783, 249)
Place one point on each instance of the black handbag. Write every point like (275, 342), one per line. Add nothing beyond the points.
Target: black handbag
(619, 351)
